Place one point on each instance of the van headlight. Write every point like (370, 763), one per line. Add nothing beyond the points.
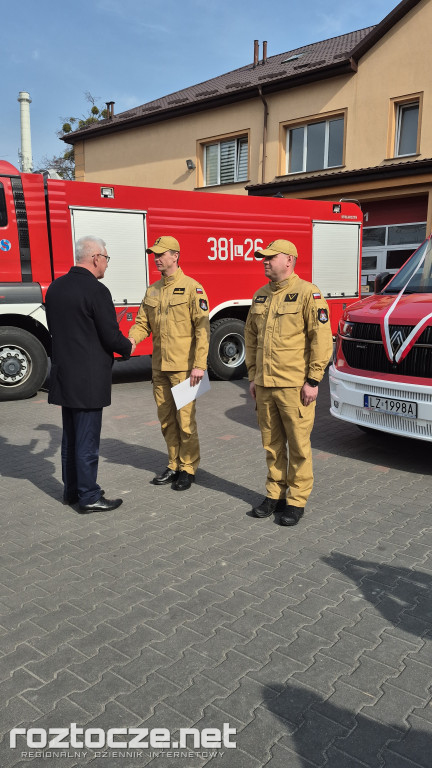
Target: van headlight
(346, 328)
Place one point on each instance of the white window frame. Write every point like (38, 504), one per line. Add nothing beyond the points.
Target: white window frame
(237, 139)
(305, 127)
(399, 115)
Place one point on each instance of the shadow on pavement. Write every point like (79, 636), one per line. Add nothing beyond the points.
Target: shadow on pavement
(401, 595)
(24, 462)
(142, 457)
(244, 414)
(322, 733)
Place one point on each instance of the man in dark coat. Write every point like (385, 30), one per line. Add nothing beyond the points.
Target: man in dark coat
(85, 333)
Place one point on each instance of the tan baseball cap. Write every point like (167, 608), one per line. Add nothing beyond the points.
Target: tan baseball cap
(164, 243)
(277, 246)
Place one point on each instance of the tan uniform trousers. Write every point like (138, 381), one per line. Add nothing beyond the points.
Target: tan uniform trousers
(283, 418)
(179, 428)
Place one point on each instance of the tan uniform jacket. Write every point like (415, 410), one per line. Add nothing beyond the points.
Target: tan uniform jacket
(288, 335)
(175, 310)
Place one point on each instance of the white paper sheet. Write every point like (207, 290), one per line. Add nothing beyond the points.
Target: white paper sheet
(183, 393)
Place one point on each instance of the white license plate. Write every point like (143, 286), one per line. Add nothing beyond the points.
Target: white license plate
(405, 408)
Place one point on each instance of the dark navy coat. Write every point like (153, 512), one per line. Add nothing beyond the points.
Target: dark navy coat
(85, 333)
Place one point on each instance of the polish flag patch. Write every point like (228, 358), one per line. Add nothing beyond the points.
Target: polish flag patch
(316, 295)
(199, 290)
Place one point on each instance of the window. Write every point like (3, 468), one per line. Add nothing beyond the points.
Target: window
(388, 247)
(294, 57)
(374, 236)
(395, 234)
(226, 162)
(395, 259)
(404, 129)
(369, 262)
(407, 120)
(422, 281)
(3, 209)
(401, 234)
(315, 146)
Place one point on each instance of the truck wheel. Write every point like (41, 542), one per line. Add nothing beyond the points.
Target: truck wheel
(226, 358)
(23, 364)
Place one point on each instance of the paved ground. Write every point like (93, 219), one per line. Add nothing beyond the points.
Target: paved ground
(181, 610)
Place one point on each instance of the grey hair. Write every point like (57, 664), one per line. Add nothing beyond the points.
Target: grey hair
(82, 247)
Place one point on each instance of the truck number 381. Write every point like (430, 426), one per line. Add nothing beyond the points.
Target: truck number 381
(225, 249)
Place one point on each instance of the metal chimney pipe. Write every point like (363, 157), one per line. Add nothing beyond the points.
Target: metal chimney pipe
(264, 58)
(26, 150)
(256, 53)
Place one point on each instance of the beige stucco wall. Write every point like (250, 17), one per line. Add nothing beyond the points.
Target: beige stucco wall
(397, 66)
(156, 155)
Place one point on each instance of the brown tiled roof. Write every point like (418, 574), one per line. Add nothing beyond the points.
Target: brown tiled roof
(308, 62)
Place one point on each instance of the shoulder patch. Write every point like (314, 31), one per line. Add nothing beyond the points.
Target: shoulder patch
(316, 295)
(260, 299)
(199, 290)
(291, 297)
(203, 304)
(323, 315)
(179, 290)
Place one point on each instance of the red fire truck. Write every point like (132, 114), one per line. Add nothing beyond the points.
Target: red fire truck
(381, 378)
(41, 218)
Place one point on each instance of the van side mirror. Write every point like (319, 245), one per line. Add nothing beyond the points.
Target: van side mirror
(381, 281)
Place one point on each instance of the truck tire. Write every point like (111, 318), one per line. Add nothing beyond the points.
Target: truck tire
(23, 364)
(226, 359)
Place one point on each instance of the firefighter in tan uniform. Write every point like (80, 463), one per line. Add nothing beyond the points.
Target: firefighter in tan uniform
(288, 346)
(175, 310)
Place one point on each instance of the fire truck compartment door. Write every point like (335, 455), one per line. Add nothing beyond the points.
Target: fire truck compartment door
(335, 258)
(124, 234)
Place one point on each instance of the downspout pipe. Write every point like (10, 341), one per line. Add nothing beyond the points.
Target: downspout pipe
(264, 140)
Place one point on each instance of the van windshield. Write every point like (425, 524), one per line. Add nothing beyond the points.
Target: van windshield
(416, 274)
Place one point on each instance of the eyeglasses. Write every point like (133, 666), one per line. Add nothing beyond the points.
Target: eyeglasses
(104, 255)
